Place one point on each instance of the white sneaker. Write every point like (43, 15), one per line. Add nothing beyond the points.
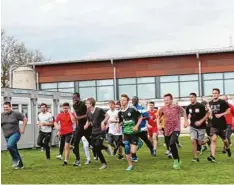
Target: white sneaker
(104, 166)
(59, 157)
(230, 144)
(87, 162)
(167, 152)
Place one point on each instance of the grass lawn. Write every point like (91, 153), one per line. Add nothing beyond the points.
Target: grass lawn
(148, 170)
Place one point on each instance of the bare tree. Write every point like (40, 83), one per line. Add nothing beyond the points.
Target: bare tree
(14, 54)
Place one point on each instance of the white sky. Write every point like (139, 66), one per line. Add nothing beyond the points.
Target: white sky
(73, 29)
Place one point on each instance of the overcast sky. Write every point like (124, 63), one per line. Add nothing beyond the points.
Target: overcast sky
(73, 29)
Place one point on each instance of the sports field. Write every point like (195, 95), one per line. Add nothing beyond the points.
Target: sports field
(148, 170)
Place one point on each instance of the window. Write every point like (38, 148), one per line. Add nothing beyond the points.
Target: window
(229, 86)
(65, 84)
(105, 93)
(126, 81)
(146, 91)
(188, 87)
(229, 75)
(169, 78)
(15, 107)
(87, 92)
(104, 82)
(188, 77)
(48, 85)
(172, 88)
(51, 90)
(130, 90)
(146, 80)
(25, 110)
(209, 85)
(68, 90)
(87, 83)
(212, 76)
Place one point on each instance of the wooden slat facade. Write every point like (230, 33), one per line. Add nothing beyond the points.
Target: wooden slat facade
(157, 66)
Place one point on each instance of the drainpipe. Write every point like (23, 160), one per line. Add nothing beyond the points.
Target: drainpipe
(199, 73)
(37, 78)
(115, 84)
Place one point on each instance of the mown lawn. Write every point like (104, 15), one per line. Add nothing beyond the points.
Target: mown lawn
(148, 170)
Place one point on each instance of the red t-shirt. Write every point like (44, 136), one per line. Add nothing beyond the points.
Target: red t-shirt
(65, 123)
(229, 117)
(152, 117)
(172, 116)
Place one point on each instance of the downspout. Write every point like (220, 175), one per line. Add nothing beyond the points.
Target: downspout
(199, 73)
(37, 80)
(115, 81)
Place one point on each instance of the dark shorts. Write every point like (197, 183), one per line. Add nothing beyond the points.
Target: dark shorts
(113, 138)
(97, 140)
(219, 132)
(131, 138)
(67, 138)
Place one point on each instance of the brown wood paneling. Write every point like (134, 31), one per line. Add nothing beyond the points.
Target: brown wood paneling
(156, 66)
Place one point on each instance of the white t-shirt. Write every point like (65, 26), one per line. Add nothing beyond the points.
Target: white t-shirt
(45, 118)
(112, 126)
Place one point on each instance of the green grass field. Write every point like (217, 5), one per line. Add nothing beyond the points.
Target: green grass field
(148, 170)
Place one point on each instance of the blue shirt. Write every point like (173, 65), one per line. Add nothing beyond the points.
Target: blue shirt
(144, 114)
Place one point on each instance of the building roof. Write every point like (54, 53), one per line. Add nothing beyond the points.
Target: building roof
(159, 54)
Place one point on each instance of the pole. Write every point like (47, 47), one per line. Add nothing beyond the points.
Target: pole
(115, 81)
(199, 73)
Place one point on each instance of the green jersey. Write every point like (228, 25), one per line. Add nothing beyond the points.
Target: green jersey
(129, 117)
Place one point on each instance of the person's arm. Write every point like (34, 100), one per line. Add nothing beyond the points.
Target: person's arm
(84, 108)
(57, 120)
(181, 110)
(226, 108)
(145, 114)
(21, 117)
(104, 122)
(159, 116)
(139, 120)
(203, 111)
(51, 123)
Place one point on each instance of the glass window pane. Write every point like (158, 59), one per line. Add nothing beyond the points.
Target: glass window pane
(172, 88)
(126, 81)
(51, 90)
(104, 82)
(15, 107)
(188, 87)
(146, 80)
(25, 110)
(229, 86)
(68, 90)
(188, 77)
(48, 85)
(169, 78)
(209, 85)
(130, 90)
(105, 93)
(87, 83)
(146, 91)
(212, 76)
(229, 75)
(88, 92)
(65, 84)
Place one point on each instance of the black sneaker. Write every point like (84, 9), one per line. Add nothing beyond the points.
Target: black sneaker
(120, 157)
(115, 151)
(195, 160)
(65, 163)
(229, 152)
(224, 151)
(77, 163)
(211, 159)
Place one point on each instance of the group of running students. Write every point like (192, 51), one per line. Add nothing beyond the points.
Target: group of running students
(126, 127)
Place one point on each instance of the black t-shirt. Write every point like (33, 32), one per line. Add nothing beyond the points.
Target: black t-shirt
(96, 119)
(197, 112)
(129, 117)
(218, 107)
(80, 109)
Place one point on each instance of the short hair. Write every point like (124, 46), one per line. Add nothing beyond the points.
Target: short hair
(168, 95)
(151, 102)
(7, 103)
(125, 96)
(193, 94)
(112, 102)
(92, 101)
(203, 102)
(77, 94)
(117, 103)
(216, 89)
(66, 104)
(44, 104)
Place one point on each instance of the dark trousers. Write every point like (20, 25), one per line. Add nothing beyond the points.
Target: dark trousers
(61, 145)
(229, 133)
(12, 148)
(43, 141)
(79, 133)
(144, 137)
(172, 141)
(97, 143)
